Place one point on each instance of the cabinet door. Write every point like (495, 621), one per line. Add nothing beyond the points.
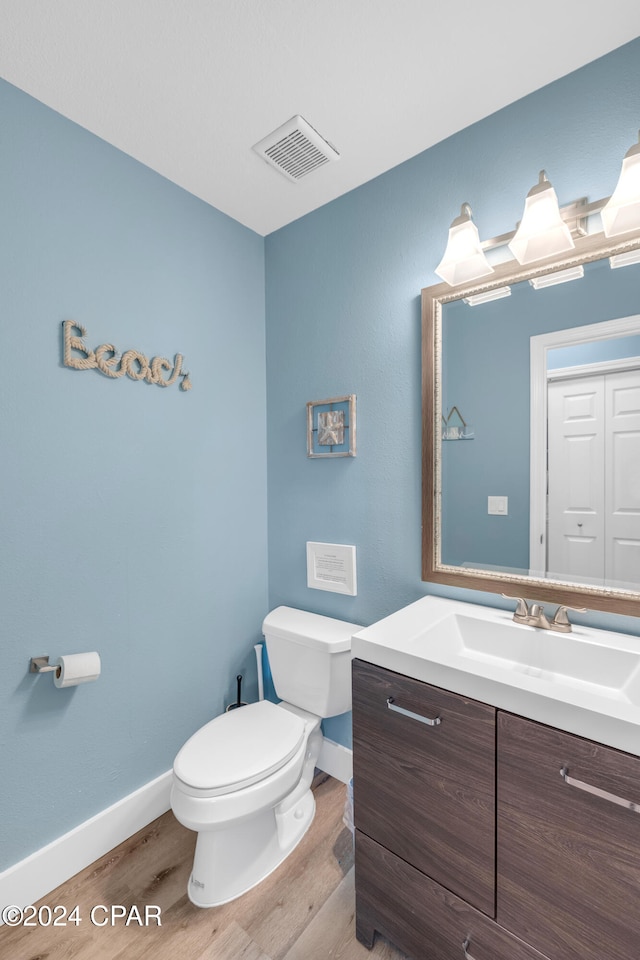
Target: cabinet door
(426, 792)
(421, 917)
(568, 847)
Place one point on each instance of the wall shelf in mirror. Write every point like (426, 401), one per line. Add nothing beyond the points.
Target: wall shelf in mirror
(474, 358)
(455, 427)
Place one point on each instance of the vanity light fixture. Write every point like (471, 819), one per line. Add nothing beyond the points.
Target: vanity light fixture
(542, 232)
(487, 296)
(546, 230)
(560, 276)
(463, 259)
(621, 214)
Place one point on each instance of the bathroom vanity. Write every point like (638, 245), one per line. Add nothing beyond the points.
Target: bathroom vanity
(491, 824)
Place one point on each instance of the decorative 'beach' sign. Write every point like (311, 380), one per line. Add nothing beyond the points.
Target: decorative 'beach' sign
(109, 361)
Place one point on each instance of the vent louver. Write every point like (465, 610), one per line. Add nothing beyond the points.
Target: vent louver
(296, 149)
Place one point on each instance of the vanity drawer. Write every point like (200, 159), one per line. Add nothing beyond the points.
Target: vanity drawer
(426, 791)
(568, 858)
(420, 917)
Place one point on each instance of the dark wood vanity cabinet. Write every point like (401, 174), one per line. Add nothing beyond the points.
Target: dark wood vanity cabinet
(430, 811)
(568, 843)
(422, 917)
(424, 766)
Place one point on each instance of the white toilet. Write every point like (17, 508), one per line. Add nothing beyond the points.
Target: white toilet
(243, 780)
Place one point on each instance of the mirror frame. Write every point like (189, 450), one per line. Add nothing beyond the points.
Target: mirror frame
(587, 249)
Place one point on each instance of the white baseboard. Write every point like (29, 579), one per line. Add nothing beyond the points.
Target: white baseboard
(40, 873)
(336, 760)
(31, 879)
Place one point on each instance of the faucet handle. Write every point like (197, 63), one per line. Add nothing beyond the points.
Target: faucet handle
(522, 610)
(560, 620)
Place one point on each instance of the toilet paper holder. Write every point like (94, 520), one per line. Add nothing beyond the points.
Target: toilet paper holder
(70, 670)
(41, 665)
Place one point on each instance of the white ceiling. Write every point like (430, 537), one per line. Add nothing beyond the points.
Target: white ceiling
(188, 86)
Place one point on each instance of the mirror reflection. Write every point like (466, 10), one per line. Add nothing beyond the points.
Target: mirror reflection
(591, 480)
(541, 477)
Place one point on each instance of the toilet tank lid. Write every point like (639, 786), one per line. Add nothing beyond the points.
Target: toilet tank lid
(310, 629)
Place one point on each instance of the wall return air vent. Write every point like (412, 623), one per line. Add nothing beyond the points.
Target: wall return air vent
(296, 149)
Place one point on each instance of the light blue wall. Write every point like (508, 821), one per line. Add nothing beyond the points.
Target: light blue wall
(133, 517)
(617, 348)
(343, 315)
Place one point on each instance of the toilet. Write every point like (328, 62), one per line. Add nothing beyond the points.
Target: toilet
(243, 781)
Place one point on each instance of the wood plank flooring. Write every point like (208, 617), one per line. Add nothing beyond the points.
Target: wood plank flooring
(303, 911)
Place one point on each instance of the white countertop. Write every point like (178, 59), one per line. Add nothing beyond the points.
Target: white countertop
(586, 682)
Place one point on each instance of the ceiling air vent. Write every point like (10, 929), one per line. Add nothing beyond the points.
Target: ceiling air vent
(296, 149)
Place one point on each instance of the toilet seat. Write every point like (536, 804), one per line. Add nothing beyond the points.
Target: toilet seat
(239, 748)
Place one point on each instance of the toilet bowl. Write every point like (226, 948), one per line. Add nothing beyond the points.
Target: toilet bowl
(243, 781)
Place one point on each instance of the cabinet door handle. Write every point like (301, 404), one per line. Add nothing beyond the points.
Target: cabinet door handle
(413, 716)
(597, 792)
(465, 948)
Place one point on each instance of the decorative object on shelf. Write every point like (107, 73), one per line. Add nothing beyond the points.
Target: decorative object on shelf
(546, 230)
(455, 427)
(109, 361)
(331, 427)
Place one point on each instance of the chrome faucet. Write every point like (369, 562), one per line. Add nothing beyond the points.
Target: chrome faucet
(535, 616)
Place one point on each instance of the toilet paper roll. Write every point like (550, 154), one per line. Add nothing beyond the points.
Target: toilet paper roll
(76, 668)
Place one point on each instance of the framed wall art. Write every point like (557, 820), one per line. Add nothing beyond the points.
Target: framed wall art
(331, 427)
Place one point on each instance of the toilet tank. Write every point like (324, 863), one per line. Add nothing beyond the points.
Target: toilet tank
(310, 659)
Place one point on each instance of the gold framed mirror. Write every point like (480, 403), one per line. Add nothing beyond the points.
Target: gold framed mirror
(492, 517)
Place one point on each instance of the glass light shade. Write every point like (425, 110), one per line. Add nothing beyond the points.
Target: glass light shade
(542, 232)
(621, 214)
(463, 259)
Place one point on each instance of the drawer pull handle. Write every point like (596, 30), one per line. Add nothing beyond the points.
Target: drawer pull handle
(413, 716)
(588, 788)
(465, 949)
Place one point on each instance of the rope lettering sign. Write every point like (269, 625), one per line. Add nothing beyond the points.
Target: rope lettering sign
(107, 359)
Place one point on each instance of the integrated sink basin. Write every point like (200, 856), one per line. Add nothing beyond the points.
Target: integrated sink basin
(586, 681)
(571, 659)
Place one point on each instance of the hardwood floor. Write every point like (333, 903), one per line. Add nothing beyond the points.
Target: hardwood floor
(303, 911)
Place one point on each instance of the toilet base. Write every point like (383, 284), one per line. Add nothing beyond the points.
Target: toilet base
(231, 861)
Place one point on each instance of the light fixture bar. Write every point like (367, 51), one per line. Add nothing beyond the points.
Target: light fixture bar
(561, 276)
(497, 294)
